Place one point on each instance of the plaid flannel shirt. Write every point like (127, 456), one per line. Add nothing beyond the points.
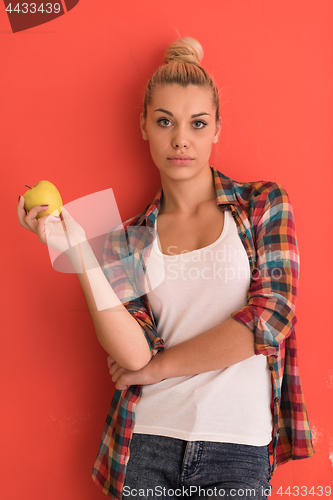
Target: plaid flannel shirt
(265, 223)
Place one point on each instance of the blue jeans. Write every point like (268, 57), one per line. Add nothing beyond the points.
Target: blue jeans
(161, 467)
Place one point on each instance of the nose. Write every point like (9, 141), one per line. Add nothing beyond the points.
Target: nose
(179, 140)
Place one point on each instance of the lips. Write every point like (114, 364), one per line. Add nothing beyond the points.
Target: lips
(180, 157)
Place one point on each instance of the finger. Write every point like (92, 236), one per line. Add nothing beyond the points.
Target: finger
(40, 225)
(21, 212)
(32, 221)
(110, 361)
(121, 387)
(121, 383)
(41, 228)
(29, 220)
(114, 368)
(117, 374)
(35, 211)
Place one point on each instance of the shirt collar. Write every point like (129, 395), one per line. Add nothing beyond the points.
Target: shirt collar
(225, 194)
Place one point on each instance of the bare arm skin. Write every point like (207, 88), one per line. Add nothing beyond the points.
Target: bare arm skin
(117, 331)
(223, 345)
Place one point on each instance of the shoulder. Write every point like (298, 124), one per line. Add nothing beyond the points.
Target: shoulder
(263, 197)
(259, 190)
(260, 200)
(248, 193)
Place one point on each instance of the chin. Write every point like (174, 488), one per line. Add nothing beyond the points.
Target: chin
(180, 172)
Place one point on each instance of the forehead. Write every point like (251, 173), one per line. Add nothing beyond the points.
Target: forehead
(175, 98)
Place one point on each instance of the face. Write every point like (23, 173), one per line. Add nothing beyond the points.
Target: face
(181, 128)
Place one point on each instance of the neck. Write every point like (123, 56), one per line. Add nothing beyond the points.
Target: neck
(184, 197)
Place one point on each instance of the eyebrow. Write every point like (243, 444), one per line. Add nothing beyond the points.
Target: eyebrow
(170, 114)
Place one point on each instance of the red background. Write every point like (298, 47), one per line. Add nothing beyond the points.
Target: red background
(70, 102)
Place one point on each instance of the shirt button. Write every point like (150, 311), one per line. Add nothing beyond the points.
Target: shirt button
(234, 213)
(244, 236)
(278, 431)
(276, 400)
(254, 271)
(271, 368)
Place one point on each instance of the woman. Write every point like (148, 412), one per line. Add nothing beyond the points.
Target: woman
(202, 415)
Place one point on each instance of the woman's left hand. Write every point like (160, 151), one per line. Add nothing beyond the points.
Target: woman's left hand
(123, 378)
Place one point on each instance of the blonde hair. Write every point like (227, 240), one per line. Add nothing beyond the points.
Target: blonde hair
(182, 66)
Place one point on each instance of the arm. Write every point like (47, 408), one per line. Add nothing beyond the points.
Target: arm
(270, 308)
(260, 326)
(123, 319)
(119, 333)
(223, 345)
(116, 329)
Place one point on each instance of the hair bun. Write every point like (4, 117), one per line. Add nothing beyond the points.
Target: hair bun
(185, 50)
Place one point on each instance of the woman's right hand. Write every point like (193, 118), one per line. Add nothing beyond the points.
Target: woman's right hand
(60, 232)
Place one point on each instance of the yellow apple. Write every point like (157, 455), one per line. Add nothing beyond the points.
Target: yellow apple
(43, 193)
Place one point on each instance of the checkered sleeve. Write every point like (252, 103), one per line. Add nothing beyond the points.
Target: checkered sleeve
(118, 267)
(270, 308)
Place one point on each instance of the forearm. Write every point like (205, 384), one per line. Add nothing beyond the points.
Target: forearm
(226, 344)
(117, 331)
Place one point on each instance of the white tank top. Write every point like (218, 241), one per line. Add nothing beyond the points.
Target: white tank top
(200, 290)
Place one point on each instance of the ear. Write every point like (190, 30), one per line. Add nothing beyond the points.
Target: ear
(217, 131)
(143, 127)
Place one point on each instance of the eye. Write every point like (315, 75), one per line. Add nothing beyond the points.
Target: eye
(164, 122)
(199, 124)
